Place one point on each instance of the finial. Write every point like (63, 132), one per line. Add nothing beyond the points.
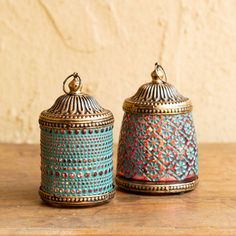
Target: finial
(158, 75)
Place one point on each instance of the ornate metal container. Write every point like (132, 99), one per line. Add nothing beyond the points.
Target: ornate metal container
(76, 150)
(157, 150)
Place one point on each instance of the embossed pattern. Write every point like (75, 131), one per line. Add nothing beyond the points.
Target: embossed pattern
(157, 148)
(76, 162)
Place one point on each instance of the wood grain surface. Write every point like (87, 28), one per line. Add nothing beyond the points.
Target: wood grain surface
(208, 210)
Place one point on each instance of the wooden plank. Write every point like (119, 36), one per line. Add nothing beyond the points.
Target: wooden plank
(209, 210)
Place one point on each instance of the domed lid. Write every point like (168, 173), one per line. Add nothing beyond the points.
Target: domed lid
(157, 97)
(75, 109)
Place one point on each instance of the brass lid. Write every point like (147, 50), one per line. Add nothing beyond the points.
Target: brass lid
(75, 109)
(157, 97)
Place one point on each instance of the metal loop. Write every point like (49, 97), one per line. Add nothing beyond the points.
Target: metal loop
(157, 66)
(75, 76)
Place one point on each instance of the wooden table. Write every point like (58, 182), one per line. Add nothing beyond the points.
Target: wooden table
(209, 210)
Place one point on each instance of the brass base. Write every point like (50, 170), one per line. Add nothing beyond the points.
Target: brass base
(150, 188)
(77, 201)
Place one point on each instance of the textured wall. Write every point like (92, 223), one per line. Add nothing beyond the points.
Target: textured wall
(113, 44)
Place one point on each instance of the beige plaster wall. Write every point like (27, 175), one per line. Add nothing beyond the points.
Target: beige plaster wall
(113, 44)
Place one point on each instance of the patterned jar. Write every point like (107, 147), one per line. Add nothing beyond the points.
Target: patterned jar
(76, 150)
(157, 150)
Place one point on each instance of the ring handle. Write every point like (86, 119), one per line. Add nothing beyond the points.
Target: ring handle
(74, 85)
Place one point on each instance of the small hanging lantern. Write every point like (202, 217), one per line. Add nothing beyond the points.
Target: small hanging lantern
(157, 150)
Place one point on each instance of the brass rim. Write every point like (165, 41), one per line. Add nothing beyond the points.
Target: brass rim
(141, 187)
(158, 108)
(78, 200)
(74, 124)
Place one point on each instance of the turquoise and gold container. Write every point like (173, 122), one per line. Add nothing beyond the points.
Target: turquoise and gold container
(76, 150)
(157, 150)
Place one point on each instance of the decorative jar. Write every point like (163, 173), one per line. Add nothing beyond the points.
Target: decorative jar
(76, 149)
(157, 150)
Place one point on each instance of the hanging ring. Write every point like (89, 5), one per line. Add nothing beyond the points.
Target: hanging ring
(74, 85)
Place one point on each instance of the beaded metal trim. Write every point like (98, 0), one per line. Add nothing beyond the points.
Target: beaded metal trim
(135, 186)
(73, 201)
(77, 123)
(157, 108)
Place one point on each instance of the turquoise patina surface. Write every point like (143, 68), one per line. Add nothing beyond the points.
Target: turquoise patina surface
(76, 162)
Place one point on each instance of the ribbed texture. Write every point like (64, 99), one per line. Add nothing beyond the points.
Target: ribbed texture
(157, 92)
(75, 105)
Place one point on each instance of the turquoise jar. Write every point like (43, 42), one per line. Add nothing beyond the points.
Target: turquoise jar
(76, 150)
(157, 150)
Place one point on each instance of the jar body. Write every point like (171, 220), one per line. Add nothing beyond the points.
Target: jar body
(76, 166)
(157, 153)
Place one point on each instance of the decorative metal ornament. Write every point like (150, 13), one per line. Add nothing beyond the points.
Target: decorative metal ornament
(157, 150)
(76, 150)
